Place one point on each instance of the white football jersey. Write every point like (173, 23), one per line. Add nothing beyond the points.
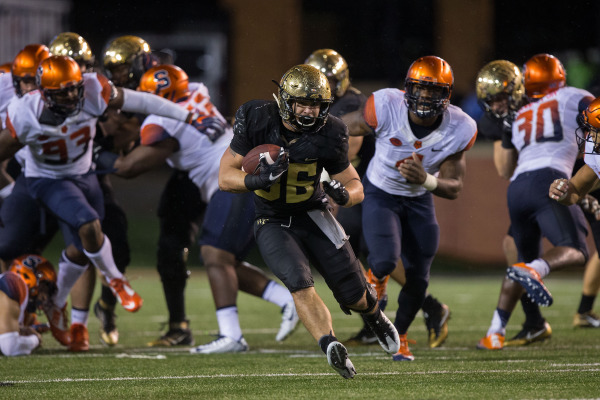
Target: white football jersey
(58, 150)
(7, 93)
(591, 158)
(544, 132)
(395, 141)
(197, 154)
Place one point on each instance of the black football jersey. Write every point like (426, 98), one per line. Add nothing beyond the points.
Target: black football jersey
(298, 189)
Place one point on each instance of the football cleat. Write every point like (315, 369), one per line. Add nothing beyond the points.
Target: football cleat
(222, 344)
(403, 353)
(337, 357)
(385, 332)
(532, 282)
(59, 323)
(437, 325)
(364, 336)
(179, 334)
(289, 321)
(586, 320)
(80, 339)
(528, 335)
(380, 286)
(494, 341)
(109, 335)
(129, 299)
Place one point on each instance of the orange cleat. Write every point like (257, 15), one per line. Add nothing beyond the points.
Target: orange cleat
(380, 286)
(80, 339)
(531, 282)
(129, 299)
(494, 341)
(59, 323)
(404, 353)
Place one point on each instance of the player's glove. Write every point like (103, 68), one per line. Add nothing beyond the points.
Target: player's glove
(212, 127)
(104, 159)
(269, 173)
(590, 205)
(336, 191)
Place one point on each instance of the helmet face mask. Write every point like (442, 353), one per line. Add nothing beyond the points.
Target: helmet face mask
(334, 67)
(61, 84)
(588, 130)
(301, 90)
(428, 87)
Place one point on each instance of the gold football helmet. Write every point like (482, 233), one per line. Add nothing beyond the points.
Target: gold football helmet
(589, 127)
(500, 81)
(333, 66)
(73, 45)
(126, 59)
(304, 83)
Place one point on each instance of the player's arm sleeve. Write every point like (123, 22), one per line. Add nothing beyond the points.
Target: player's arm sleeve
(13, 344)
(148, 103)
(241, 143)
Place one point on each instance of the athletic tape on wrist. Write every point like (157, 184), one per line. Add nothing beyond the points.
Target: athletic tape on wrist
(430, 183)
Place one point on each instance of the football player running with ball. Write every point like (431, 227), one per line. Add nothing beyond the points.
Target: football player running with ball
(293, 226)
(418, 134)
(225, 218)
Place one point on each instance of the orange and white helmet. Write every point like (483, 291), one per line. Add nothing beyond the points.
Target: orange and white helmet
(168, 81)
(56, 77)
(33, 269)
(26, 62)
(428, 86)
(589, 127)
(543, 74)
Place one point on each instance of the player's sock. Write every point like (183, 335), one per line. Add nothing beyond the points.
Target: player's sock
(499, 322)
(276, 294)
(79, 316)
(325, 340)
(103, 260)
(108, 298)
(586, 304)
(540, 266)
(229, 323)
(68, 273)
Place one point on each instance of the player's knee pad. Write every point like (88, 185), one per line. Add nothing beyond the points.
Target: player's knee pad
(371, 297)
(382, 268)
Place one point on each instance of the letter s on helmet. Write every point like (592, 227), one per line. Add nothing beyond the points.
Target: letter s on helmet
(168, 81)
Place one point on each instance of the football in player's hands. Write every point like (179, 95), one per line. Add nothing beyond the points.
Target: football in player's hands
(251, 161)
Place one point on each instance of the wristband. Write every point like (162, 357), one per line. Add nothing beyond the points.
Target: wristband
(430, 183)
(252, 182)
(6, 190)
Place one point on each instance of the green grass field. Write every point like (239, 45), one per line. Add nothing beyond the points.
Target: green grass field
(567, 366)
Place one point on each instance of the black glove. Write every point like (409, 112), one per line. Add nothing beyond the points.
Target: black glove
(336, 191)
(269, 173)
(104, 159)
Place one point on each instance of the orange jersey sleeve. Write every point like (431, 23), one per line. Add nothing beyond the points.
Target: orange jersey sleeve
(369, 113)
(471, 142)
(106, 87)
(151, 134)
